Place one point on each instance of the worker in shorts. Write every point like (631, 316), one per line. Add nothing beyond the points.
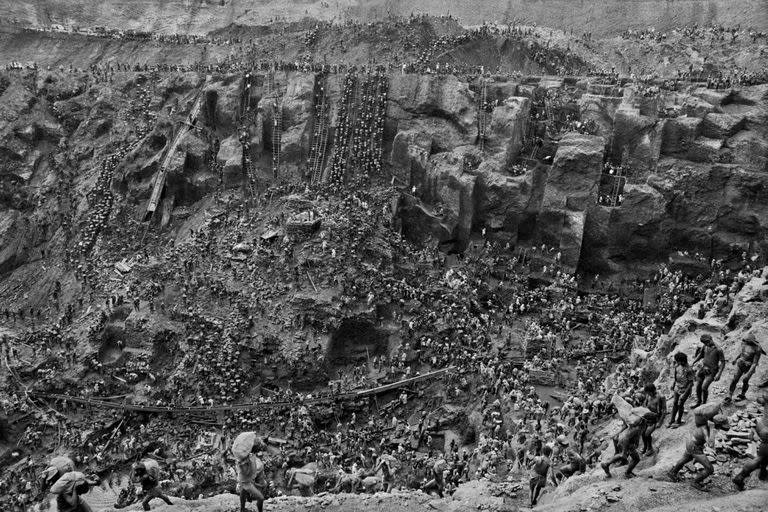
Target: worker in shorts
(540, 468)
(657, 404)
(712, 365)
(150, 484)
(251, 480)
(746, 365)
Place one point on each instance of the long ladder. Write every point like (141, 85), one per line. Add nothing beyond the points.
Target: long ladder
(321, 143)
(157, 190)
(618, 185)
(482, 118)
(277, 135)
(320, 135)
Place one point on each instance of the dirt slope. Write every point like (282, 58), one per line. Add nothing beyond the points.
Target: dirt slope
(199, 16)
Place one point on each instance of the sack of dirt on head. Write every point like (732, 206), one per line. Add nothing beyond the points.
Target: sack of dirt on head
(67, 482)
(707, 411)
(638, 414)
(623, 408)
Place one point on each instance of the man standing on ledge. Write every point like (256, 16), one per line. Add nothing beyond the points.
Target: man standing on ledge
(713, 363)
(746, 364)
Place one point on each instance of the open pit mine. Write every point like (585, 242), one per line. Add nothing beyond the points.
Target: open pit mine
(369, 256)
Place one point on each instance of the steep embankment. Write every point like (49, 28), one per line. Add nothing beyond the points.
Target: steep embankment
(650, 492)
(600, 17)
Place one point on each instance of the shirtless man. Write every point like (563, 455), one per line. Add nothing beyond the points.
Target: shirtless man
(250, 478)
(694, 451)
(627, 443)
(761, 461)
(681, 388)
(575, 462)
(437, 482)
(746, 364)
(539, 469)
(386, 471)
(712, 365)
(658, 405)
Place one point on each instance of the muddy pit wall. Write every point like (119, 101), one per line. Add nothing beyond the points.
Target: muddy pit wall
(601, 17)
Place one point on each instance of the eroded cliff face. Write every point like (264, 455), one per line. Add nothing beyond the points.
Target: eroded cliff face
(697, 182)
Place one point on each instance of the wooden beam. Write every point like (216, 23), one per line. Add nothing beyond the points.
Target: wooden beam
(401, 383)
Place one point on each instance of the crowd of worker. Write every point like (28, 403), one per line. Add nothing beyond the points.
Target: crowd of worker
(450, 317)
(458, 317)
(467, 339)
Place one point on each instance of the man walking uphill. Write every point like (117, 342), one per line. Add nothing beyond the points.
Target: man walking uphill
(712, 364)
(746, 364)
(148, 473)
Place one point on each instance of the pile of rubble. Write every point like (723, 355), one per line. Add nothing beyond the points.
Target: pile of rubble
(738, 441)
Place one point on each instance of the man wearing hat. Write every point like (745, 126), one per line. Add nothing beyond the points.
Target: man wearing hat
(712, 365)
(761, 461)
(746, 364)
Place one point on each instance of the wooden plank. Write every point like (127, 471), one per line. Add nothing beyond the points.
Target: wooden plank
(105, 404)
(157, 190)
(401, 383)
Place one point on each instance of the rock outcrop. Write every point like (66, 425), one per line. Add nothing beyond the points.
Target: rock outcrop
(570, 190)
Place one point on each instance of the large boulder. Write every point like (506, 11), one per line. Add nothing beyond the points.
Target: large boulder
(749, 148)
(563, 229)
(574, 178)
(571, 189)
(295, 109)
(295, 142)
(715, 97)
(13, 240)
(230, 156)
(634, 232)
(679, 133)
(639, 137)
(298, 99)
(49, 130)
(196, 151)
(445, 134)
(705, 150)
(221, 103)
(500, 89)
(440, 96)
(256, 133)
(444, 183)
(697, 107)
(508, 126)
(721, 126)
(409, 146)
(501, 199)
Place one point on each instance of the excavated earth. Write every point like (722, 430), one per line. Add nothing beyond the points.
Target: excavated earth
(698, 184)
